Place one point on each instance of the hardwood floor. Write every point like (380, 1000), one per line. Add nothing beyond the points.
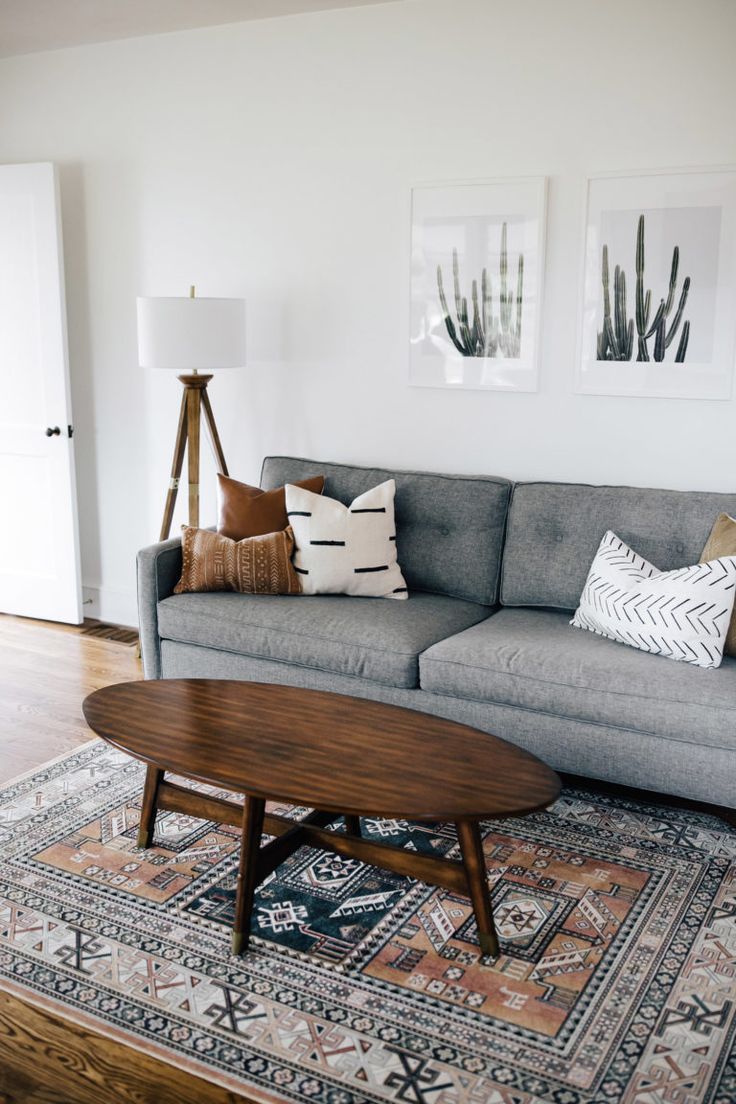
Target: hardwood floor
(45, 672)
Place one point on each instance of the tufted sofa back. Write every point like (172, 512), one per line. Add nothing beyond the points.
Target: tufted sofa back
(449, 528)
(554, 530)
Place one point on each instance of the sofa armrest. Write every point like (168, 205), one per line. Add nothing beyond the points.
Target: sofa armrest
(158, 570)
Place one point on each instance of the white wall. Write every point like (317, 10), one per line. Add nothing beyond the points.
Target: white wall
(274, 160)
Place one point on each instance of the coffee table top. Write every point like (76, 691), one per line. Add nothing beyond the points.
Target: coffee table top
(320, 749)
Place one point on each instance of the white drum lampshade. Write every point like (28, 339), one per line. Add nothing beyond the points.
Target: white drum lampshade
(191, 334)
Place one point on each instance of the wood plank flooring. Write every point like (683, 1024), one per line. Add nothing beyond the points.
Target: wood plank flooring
(45, 672)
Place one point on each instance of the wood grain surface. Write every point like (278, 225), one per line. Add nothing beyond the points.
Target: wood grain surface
(324, 750)
(49, 1060)
(45, 672)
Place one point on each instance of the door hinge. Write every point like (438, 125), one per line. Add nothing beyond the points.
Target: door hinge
(70, 430)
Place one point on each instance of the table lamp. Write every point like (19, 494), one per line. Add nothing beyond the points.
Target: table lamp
(189, 334)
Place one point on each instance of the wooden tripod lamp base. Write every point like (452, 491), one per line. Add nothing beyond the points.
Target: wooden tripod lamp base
(194, 402)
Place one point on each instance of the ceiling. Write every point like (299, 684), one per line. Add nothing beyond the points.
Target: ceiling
(29, 26)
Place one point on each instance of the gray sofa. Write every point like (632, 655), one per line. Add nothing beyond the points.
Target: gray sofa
(494, 570)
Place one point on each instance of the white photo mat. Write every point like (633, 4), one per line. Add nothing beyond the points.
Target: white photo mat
(694, 210)
(469, 218)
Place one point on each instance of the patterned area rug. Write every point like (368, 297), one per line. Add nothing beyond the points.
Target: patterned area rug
(616, 981)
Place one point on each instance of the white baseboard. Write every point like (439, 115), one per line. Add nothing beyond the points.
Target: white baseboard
(117, 606)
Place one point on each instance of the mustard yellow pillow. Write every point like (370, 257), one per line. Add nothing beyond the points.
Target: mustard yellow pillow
(722, 542)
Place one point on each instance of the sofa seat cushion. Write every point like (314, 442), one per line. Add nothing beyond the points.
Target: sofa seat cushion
(363, 637)
(536, 660)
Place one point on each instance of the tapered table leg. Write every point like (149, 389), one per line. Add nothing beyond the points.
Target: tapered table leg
(352, 825)
(154, 777)
(253, 812)
(471, 848)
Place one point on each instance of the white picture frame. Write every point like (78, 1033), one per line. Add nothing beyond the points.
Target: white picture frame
(497, 226)
(654, 225)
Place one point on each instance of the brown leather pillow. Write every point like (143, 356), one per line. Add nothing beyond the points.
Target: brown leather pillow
(256, 565)
(249, 512)
(722, 542)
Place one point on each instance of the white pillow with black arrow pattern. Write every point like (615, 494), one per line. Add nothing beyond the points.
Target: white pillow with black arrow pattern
(682, 614)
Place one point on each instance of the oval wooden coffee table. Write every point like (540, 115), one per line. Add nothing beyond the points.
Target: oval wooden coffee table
(339, 756)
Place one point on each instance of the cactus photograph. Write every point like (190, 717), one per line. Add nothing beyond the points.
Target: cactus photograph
(488, 334)
(477, 263)
(615, 339)
(659, 274)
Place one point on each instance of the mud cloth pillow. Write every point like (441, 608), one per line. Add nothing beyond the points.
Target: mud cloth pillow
(722, 542)
(682, 614)
(256, 565)
(247, 511)
(346, 549)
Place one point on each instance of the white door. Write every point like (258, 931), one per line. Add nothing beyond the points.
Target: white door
(39, 537)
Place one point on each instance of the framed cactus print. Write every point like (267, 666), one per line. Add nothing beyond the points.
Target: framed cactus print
(477, 260)
(659, 285)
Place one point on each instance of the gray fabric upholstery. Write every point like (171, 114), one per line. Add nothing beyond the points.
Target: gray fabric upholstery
(703, 773)
(158, 572)
(373, 638)
(536, 660)
(449, 527)
(554, 530)
(582, 703)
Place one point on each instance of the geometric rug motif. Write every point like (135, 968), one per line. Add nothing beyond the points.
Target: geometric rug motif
(616, 979)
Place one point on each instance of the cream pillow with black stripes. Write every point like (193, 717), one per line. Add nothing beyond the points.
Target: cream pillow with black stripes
(346, 549)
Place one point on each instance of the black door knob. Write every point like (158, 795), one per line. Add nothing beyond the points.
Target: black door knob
(55, 432)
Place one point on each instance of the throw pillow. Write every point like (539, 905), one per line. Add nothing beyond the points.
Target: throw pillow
(247, 511)
(682, 614)
(722, 542)
(256, 565)
(346, 549)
